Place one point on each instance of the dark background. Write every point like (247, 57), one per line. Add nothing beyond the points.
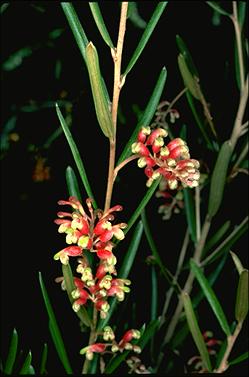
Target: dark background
(29, 238)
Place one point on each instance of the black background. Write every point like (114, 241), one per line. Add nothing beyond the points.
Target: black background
(29, 238)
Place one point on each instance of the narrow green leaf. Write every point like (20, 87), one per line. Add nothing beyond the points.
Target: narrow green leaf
(189, 80)
(239, 359)
(125, 268)
(54, 329)
(154, 298)
(217, 7)
(44, 358)
(134, 15)
(75, 26)
(99, 96)
(182, 333)
(212, 277)
(146, 35)
(147, 115)
(11, 353)
(68, 278)
(241, 307)
(241, 13)
(197, 119)
(226, 245)
(216, 237)
(190, 212)
(148, 333)
(132, 250)
(183, 132)
(31, 370)
(94, 364)
(26, 365)
(17, 58)
(142, 205)
(76, 155)
(3, 7)
(79, 34)
(211, 297)
(218, 178)
(72, 183)
(115, 362)
(237, 262)
(96, 12)
(195, 331)
(187, 56)
(154, 303)
(153, 248)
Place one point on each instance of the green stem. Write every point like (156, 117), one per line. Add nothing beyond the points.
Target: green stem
(197, 213)
(237, 129)
(235, 21)
(178, 270)
(92, 339)
(188, 285)
(230, 343)
(241, 157)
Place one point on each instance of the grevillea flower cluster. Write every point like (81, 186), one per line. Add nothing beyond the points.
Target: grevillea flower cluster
(114, 346)
(172, 161)
(92, 233)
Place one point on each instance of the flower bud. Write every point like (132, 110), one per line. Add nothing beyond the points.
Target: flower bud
(155, 175)
(175, 143)
(89, 355)
(108, 333)
(181, 151)
(155, 134)
(149, 182)
(164, 151)
(114, 348)
(171, 162)
(83, 241)
(140, 148)
(148, 171)
(106, 282)
(172, 184)
(128, 346)
(104, 254)
(143, 133)
(141, 162)
(136, 348)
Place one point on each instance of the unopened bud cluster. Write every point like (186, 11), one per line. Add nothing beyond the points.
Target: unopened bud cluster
(113, 346)
(92, 232)
(172, 161)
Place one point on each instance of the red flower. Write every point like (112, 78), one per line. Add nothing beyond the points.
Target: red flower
(78, 229)
(171, 161)
(72, 251)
